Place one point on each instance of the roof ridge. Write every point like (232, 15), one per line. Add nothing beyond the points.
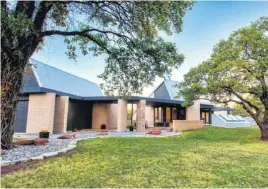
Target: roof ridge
(63, 71)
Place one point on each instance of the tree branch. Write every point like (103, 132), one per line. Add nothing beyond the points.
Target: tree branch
(41, 14)
(72, 33)
(25, 7)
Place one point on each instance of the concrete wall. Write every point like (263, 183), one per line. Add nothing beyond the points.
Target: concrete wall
(41, 111)
(61, 112)
(193, 112)
(186, 125)
(149, 116)
(122, 115)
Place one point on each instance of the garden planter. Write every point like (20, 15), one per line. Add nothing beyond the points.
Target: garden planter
(43, 135)
(103, 126)
(131, 128)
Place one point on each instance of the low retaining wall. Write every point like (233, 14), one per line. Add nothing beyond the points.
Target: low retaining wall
(186, 125)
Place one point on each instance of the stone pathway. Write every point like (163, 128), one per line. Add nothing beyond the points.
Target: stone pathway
(55, 146)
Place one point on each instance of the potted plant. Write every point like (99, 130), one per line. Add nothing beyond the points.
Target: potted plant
(44, 134)
(103, 126)
(131, 127)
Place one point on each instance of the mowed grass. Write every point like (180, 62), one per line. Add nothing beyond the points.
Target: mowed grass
(213, 157)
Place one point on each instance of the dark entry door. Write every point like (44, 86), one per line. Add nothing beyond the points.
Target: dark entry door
(21, 116)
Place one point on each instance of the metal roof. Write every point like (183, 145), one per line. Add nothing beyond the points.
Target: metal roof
(53, 79)
(173, 90)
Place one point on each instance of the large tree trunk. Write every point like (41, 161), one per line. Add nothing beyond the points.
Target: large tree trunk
(264, 125)
(11, 81)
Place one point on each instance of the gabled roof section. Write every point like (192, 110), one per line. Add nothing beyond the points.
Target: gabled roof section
(54, 79)
(173, 91)
(167, 90)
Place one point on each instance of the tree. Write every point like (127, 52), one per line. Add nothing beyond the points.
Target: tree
(239, 110)
(125, 31)
(236, 70)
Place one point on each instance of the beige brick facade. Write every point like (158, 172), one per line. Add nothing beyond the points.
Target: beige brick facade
(187, 125)
(141, 107)
(193, 112)
(61, 113)
(104, 114)
(99, 115)
(122, 115)
(111, 116)
(41, 110)
(149, 116)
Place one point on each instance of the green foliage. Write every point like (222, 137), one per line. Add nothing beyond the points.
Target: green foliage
(209, 158)
(236, 70)
(125, 32)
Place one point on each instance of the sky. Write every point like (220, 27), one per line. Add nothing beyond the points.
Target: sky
(203, 27)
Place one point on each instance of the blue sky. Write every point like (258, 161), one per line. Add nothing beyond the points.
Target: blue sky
(203, 27)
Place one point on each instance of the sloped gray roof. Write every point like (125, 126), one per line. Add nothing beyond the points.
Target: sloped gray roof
(54, 79)
(173, 91)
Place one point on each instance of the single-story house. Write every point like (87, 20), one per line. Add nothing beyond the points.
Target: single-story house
(58, 101)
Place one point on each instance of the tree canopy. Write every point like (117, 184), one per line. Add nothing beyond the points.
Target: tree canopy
(236, 71)
(127, 32)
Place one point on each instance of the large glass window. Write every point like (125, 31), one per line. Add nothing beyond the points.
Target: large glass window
(205, 117)
(160, 115)
(168, 116)
(174, 114)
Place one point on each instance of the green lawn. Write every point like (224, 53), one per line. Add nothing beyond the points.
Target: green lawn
(213, 157)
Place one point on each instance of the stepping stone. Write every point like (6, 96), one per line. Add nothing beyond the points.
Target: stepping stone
(64, 150)
(50, 154)
(37, 158)
(22, 160)
(5, 163)
(70, 147)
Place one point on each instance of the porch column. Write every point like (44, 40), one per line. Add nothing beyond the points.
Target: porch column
(193, 112)
(141, 107)
(122, 115)
(61, 114)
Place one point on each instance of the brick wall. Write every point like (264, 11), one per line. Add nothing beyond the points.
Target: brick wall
(193, 112)
(187, 125)
(141, 115)
(40, 112)
(99, 115)
(149, 116)
(122, 115)
(111, 116)
(61, 112)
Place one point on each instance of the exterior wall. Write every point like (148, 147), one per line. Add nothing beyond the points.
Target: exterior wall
(149, 116)
(185, 125)
(41, 111)
(193, 112)
(61, 113)
(99, 115)
(104, 114)
(220, 112)
(141, 115)
(122, 115)
(111, 116)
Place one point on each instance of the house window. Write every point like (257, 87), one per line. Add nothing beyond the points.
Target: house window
(168, 116)
(205, 117)
(160, 115)
(174, 113)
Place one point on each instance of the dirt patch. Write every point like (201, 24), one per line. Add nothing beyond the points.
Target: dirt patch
(31, 164)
